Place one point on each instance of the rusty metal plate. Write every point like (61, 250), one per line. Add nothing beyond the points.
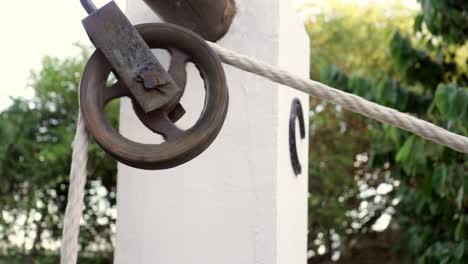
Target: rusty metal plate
(131, 58)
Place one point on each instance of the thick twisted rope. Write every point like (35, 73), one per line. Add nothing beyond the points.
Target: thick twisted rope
(75, 205)
(349, 101)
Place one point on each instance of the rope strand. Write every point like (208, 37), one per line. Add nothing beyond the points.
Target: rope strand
(349, 101)
(75, 205)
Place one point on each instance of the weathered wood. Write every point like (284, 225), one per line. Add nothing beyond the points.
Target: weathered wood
(210, 19)
(132, 60)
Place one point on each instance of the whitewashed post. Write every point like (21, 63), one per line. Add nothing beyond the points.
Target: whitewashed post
(239, 202)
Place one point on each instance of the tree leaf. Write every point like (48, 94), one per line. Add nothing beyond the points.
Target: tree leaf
(459, 228)
(460, 250)
(418, 21)
(458, 103)
(461, 104)
(404, 152)
(439, 180)
(443, 96)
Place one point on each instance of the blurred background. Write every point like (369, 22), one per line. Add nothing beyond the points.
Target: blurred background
(377, 194)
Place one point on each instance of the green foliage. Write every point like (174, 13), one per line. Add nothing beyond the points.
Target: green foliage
(415, 66)
(445, 18)
(433, 205)
(417, 73)
(35, 153)
(339, 162)
(355, 37)
(452, 102)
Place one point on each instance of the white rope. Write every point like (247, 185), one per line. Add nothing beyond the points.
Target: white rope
(349, 101)
(73, 212)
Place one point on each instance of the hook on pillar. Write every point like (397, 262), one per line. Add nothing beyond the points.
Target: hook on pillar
(296, 114)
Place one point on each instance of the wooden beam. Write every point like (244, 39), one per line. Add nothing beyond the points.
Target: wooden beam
(210, 19)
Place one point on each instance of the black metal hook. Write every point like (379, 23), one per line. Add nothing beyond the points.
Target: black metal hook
(89, 6)
(296, 113)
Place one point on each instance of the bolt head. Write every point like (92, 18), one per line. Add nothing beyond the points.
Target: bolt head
(150, 83)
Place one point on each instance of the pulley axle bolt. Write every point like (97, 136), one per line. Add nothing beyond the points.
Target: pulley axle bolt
(149, 79)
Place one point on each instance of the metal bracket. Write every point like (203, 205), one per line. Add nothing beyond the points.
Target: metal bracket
(131, 58)
(296, 113)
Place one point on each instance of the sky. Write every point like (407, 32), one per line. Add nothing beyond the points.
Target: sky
(33, 29)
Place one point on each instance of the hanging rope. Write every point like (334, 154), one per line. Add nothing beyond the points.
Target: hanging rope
(75, 205)
(349, 101)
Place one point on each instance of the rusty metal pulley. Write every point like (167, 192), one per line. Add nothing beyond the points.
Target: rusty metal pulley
(155, 93)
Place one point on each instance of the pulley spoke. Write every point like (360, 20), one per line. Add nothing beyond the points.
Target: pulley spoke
(161, 124)
(177, 68)
(115, 91)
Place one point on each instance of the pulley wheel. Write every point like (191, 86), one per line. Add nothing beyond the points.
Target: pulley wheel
(180, 145)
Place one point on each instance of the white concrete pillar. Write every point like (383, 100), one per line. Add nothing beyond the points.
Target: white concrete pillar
(239, 202)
